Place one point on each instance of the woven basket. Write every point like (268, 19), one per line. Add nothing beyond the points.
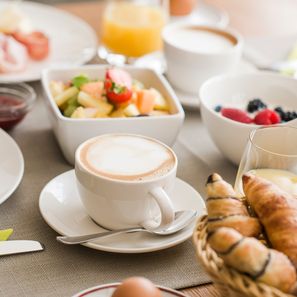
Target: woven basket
(228, 281)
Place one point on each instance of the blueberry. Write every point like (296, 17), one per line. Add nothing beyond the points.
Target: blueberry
(218, 108)
(287, 116)
(255, 105)
(279, 109)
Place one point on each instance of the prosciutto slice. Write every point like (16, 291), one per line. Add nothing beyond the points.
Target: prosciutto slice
(13, 55)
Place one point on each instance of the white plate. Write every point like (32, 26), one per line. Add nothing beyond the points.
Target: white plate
(11, 166)
(72, 41)
(205, 14)
(62, 209)
(108, 289)
(193, 102)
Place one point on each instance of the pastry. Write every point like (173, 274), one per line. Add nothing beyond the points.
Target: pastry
(277, 211)
(225, 209)
(248, 255)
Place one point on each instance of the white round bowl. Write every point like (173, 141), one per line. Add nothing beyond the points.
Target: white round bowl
(235, 90)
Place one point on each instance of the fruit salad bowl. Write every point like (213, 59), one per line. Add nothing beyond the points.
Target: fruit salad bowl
(225, 113)
(73, 130)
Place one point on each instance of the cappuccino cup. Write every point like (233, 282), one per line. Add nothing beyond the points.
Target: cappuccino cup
(125, 180)
(195, 53)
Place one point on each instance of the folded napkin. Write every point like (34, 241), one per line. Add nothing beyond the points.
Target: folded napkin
(5, 234)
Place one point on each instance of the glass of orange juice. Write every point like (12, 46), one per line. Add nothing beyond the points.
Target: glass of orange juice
(132, 28)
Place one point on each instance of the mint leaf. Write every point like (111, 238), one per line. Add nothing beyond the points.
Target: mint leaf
(117, 89)
(80, 80)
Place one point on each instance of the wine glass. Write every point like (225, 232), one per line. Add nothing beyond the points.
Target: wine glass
(271, 153)
(132, 29)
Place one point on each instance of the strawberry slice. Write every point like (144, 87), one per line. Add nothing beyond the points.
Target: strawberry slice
(118, 85)
(237, 115)
(267, 117)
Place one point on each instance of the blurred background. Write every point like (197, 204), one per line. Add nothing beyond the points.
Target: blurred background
(60, 1)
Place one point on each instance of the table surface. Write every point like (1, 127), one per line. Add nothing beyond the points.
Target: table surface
(245, 16)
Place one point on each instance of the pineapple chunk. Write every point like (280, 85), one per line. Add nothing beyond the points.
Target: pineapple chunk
(79, 113)
(131, 110)
(160, 102)
(119, 113)
(56, 87)
(104, 108)
(159, 113)
(91, 112)
(66, 95)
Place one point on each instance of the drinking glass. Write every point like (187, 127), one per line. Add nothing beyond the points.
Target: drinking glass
(271, 153)
(132, 28)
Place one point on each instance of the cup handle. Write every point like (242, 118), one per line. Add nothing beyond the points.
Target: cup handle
(166, 209)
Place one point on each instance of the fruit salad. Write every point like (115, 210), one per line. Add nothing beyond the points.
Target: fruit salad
(258, 113)
(117, 95)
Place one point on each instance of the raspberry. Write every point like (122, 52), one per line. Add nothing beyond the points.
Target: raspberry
(237, 115)
(267, 117)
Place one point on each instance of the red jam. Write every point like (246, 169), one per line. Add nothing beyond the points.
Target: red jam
(12, 111)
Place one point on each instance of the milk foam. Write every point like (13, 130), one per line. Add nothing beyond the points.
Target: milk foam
(201, 41)
(127, 158)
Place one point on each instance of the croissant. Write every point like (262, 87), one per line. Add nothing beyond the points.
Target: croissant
(225, 209)
(248, 255)
(277, 211)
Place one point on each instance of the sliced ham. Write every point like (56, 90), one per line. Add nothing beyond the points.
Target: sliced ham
(13, 55)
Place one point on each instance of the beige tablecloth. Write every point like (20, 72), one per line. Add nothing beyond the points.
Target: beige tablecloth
(64, 270)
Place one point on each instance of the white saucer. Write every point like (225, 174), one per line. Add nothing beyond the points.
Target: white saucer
(108, 289)
(11, 166)
(205, 14)
(192, 101)
(62, 209)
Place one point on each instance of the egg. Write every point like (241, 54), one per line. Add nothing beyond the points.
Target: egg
(182, 7)
(137, 287)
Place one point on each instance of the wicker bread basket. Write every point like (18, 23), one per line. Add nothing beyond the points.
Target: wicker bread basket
(229, 282)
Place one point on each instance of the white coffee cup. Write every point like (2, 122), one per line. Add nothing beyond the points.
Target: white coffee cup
(195, 53)
(119, 185)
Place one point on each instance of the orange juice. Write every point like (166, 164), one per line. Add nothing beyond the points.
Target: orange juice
(132, 30)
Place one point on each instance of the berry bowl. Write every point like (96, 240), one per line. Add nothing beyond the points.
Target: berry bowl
(233, 105)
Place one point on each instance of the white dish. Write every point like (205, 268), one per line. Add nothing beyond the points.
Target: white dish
(192, 101)
(236, 90)
(72, 41)
(205, 14)
(70, 133)
(108, 289)
(62, 209)
(11, 166)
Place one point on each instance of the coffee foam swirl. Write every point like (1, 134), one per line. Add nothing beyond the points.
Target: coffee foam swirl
(127, 158)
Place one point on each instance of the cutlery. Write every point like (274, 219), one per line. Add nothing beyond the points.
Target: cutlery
(11, 247)
(181, 220)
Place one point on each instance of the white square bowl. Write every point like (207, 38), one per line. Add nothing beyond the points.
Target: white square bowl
(70, 133)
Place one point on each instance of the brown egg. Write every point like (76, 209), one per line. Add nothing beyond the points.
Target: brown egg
(137, 287)
(182, 7)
